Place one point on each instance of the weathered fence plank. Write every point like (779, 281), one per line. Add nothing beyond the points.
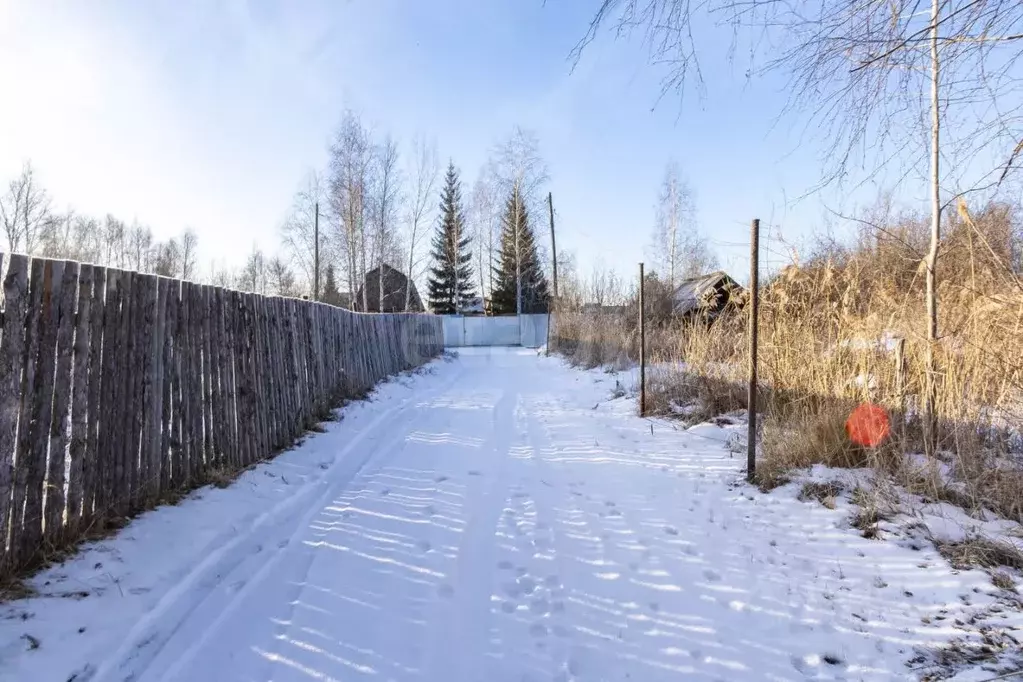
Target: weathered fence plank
(56, 467)
(90, 464)
(159, 438)
(149, 466)
(259, 417)
(80, 398)
(136, 407)
(227, 372)
(175, 318)
(208, 376)
(23, 464)
(126, 379)
(188, 464)
(41, 406)
(216, 398)
(12, 351)
(197, 463)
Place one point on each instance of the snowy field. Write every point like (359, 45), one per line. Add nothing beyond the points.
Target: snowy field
(497, 517)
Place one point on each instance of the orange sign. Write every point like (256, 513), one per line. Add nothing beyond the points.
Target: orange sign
(868, 425)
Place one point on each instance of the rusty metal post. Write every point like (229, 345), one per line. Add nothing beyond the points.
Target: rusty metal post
(751, 396)
(642, 347)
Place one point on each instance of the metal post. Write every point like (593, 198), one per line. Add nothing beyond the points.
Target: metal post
(642, 347)
(316, 254)
(751, 396)
(554, 259)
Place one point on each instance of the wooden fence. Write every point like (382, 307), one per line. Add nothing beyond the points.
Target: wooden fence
(117, 388)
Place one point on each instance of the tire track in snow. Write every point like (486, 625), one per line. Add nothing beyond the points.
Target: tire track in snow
(221, 567)
(550, 493)
(461, 636)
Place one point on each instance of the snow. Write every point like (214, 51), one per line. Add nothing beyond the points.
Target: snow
(498, 517)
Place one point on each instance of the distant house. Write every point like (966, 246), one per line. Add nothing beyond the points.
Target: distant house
(707, 296)
(395, 283)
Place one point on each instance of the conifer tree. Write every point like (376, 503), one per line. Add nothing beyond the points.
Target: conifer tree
(329, 293)
(520, 285)
(450, 284)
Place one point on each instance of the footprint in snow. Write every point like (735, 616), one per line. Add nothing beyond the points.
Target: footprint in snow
(540, 606)
(671, 530)
(527, 585)
(440, 479)
(474, 472)
(446, 591)
(424, 546)
(385, 492)
(711, 575)
(538, 630)
(508, 607)
(505, 565)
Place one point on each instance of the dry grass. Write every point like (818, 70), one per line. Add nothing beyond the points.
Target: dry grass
(825, 493)
(848, 326)
(980, 551)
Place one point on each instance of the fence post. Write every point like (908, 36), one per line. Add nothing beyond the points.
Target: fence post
(642, 347)
(751, 396)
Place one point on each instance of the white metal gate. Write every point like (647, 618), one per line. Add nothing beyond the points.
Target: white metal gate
(529, 331)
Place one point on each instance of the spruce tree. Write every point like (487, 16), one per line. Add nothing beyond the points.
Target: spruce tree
(504, 299)
(328, 292)
(450, 284)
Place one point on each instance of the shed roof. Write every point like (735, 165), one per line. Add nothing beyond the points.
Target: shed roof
(701, 292)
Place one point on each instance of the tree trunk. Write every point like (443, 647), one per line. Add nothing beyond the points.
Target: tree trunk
(930, 427)
(518, 259)
(411, 258)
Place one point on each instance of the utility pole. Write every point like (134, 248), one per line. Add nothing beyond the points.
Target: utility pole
(316, 254)
(554, 259)
(642, 347)
(554, 245)
(751, 395)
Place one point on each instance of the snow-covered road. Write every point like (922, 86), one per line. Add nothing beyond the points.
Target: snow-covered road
(500, 518)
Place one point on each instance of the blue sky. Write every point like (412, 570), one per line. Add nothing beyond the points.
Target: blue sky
(208, 114)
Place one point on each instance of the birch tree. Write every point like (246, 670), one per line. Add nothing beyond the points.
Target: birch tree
(24, 211)
(281, 279)
(351, 161)
(255, 276)
(386, 203)
(423, 172)
(298, 232)
(189, 253)
(138, 248)
(485, 219)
